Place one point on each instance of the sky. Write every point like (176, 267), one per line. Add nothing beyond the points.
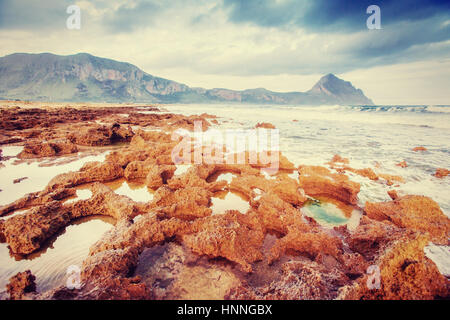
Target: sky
(281, 45)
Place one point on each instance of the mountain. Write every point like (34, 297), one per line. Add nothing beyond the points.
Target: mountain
(331, 89)
(80, 77)
(84, 77)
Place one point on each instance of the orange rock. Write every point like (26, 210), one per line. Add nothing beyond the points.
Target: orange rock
(371, 237)
(101, 135)
(310, 242)
(265, 125)
(419, 149)
(319, 181)
(124, 157)
(109, 269)
(284, 187)
(405, 274)
(338, 158)
(21, 284)
(196, 176)
(187, 203)
(90, 172)
(272, 159)
(441, 173)
(25, 233)
(105, 202)
(158, 175)
(234, 236)
(393, 194)
(36, 199)
(123, 289)
(109, 264)
(139, 169)
(390, 179)
(277, 215)
(147, 231)
(402, 164)
(297, 280)
(366, 172)
(288, 190)
(47, 149)
(417, 213)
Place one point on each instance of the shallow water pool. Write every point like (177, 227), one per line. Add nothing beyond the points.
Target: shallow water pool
(225, 200)
(68, 247)
(331, 213)
(136, 191)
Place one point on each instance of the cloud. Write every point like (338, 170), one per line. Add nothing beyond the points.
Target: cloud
(330, 16)
(260, 41)
(399, 40)
(424, 82)
(127, 18)
(212, 38)
(313, 36)
(28, 15)
(141, 14)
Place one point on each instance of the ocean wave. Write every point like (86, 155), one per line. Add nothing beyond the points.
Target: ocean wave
(414, 109)
(439, 109)
(375, 108)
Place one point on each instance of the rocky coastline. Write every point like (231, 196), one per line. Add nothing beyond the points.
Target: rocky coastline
(173, 247)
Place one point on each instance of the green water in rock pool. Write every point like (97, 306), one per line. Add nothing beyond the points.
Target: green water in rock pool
(325, 213)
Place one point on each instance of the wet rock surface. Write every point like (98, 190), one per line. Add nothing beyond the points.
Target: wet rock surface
(406, 273)
(174, 272)
(265, 125)
(101, 135)
(317, 181)
(416, 213)
(47, 149)
(417, 149)
(20, 285)
(174, 247)
(441, 173)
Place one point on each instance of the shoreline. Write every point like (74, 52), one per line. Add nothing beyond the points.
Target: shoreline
(271, 251)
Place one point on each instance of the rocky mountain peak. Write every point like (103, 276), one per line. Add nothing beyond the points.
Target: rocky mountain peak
(84, 77)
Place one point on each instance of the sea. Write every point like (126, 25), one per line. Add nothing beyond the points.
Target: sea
(369, 136)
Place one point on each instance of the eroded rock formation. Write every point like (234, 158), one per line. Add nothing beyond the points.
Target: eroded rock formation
(319, 181)
(174, 247)
(21, 284)
(441, 173)
(47, 149)
(417, 213)
(265, 125)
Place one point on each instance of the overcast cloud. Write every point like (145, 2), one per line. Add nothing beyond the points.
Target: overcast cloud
(283, 45)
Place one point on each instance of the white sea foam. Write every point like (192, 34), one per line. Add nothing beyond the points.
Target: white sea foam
(384, 134)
